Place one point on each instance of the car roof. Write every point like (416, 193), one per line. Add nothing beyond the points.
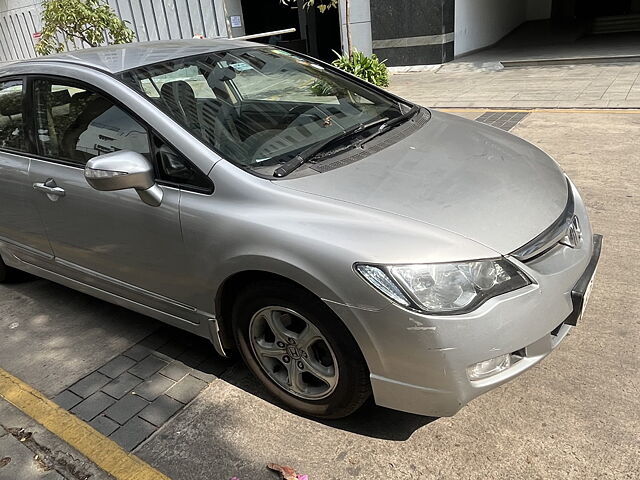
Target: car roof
(118, 58)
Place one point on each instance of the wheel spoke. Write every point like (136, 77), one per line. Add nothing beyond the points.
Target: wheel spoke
(267, 349)
(274, 320)
(308, 336)
(295, 378)
(321, 372)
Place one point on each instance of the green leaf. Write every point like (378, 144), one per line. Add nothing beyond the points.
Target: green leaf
(85, 21)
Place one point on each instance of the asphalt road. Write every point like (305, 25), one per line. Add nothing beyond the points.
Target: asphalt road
(575, 415)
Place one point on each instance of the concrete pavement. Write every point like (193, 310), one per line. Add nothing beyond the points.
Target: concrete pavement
(571, 86)
(572, 416)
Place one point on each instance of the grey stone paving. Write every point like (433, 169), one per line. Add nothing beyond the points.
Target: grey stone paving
(135, 393)
(576, 86)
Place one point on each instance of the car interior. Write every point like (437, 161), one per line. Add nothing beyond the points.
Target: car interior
(11, 127)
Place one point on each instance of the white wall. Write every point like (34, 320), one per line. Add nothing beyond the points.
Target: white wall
(480, 23)
(360, 25)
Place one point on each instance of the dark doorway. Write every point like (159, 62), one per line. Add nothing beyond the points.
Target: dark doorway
(317, 34)
(612, 16)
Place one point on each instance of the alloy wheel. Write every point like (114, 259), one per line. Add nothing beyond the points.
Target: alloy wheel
(293, 353)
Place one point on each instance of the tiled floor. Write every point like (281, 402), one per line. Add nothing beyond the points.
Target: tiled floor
(577, 86)
(135, 393)
(479, 80)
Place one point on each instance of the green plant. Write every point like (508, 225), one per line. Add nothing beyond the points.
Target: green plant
(92, 22)
(369, 68)
(322, 5)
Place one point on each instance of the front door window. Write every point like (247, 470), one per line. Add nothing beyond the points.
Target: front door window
(76, 124)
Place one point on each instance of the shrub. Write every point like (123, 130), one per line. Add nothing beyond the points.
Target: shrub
(370, 68)
(91, 22)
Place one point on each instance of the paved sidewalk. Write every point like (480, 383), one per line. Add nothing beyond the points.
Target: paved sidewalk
(574, 86)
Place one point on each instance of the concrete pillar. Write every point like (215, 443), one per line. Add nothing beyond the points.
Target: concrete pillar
(419, 32)
(360, 25)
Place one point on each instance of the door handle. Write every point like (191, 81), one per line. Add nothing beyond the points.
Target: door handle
(50, 188)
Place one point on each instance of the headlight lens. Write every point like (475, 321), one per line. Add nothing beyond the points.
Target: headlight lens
(446, 287)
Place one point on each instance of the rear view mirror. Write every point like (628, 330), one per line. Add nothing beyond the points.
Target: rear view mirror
(122, 170)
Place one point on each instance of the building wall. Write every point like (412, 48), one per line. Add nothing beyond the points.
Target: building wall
(149, 19)
(480, 23)
(19, 20)
(416, 32)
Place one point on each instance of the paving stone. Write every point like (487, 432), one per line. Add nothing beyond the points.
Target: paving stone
(153, 387)
(175, 370)
(89, 384)
(138, 352)
(116, 366)
(160, 410)
(172, 349)
(186, 389)
(125, 408)
(134, 432)
(67, 399)
(92, 406)
(147, 367)
(104, 425)
(121, 385)
(156, 339)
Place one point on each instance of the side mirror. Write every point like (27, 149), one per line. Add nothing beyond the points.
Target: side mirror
(121, 170)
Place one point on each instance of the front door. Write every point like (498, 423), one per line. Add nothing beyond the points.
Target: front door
(111, 240)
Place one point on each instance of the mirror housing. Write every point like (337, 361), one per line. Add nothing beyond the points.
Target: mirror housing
(122, 170)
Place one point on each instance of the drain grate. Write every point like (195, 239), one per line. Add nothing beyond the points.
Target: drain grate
(135, 393)
(503, 120)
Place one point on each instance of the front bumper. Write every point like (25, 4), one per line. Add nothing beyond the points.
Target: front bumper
(422, 360)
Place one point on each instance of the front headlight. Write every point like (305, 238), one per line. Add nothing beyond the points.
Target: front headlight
(445, 288)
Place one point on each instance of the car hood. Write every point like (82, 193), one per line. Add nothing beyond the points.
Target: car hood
(471, 179)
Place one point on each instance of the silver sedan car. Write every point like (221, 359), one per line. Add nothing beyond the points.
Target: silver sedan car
(345, 241)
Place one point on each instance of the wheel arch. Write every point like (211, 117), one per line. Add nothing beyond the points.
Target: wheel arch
(234, 283)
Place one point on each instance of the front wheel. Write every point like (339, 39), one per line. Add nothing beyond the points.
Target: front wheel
(300, 350)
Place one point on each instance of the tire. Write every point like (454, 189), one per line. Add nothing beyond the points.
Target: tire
(332, 349)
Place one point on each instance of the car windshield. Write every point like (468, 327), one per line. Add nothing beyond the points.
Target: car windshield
(259, 107)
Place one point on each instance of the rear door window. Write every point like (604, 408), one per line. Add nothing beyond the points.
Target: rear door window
(12, 131)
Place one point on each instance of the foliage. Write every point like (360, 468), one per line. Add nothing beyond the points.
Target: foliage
(92, 22)
(320, 88)
(322, 5)
(370, 68)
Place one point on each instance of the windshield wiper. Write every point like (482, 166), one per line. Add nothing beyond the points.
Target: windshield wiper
(307, 154)
(385, 127)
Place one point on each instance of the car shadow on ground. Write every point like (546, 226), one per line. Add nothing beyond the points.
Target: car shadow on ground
(173, 344)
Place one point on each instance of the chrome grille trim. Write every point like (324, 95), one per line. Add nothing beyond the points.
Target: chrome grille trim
(551, 236)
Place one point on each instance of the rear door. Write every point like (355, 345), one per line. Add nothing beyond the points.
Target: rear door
(111, 240)
(21, 229)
